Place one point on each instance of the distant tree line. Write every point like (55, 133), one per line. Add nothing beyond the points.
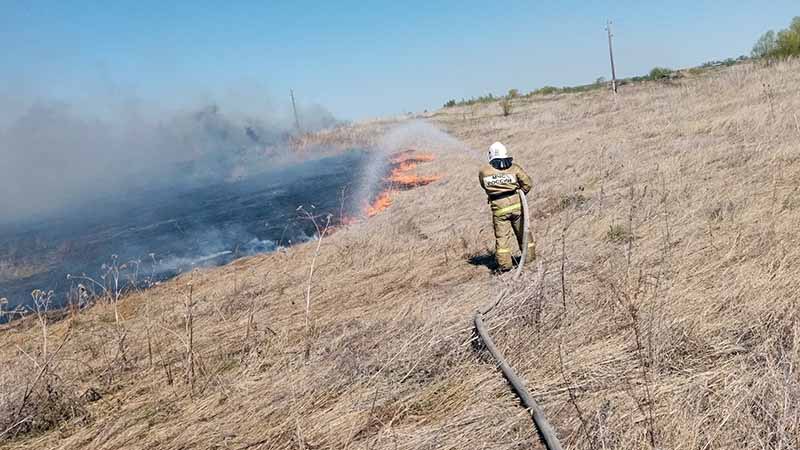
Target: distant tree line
(771, 45)
(781, 45)
(658, 73)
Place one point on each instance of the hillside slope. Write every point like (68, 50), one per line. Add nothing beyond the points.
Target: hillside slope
(662, 313)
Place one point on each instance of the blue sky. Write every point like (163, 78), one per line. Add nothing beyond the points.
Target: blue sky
(358, 59)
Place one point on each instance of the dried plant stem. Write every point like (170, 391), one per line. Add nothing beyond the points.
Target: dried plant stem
(149, 330)
(189, 304)
(42, 371)
(320, 236)
(573, 399)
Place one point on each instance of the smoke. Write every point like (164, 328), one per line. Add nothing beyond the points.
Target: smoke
(215, 253)
(407, 136)
(419, 134)
(85, 183)
(53, 156)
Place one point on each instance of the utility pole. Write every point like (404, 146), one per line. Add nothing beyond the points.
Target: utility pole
(294, 108)
(611, 55)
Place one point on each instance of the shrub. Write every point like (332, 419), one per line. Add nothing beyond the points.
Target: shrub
(545, 90)
(37, 408)
(765, 45)
(720, 211)
(573, 200)
(660, 73)
(783, 44)
(505, 105)
(513, 93)
(789, 40)
(582, 88)
(619, 234)
(488, 98)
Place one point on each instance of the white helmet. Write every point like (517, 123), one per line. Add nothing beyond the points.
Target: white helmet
(498, 151)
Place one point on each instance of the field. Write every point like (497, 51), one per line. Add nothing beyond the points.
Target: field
(662, 312)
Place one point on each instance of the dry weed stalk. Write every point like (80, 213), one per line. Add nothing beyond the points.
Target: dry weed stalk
(573, 399)
(110, 287)
(19, 416)
(189, 327)
(112, 275)
(148, 315)
(563, 267)
(630, 295)
(3, 313)
(41, 304)
(321, 230)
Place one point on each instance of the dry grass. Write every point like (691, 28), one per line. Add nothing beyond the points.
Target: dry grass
(683, 332)
(10, 270)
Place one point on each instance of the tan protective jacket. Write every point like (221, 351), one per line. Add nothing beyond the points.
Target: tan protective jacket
(501, 186)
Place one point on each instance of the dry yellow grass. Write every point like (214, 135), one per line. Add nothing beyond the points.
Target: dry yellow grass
(673, 209)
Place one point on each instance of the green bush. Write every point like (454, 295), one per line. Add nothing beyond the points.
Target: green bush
(574, 200)
(472, 101)
(506, 106)
(789, 40)
(660, 73)
(766, 44)
(780, 45)
(582, 88)
(513, 93)
(618, 234)
(546, 90)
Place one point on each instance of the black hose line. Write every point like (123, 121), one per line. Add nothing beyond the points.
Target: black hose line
(543, 428)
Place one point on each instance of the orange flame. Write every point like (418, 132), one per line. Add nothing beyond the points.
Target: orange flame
(404, 166)
(401, 156)
(400, 179)
(380, 204)
(409, 156)
(404, 182)
(406, 162)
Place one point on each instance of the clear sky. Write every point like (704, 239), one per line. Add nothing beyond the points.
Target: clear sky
(359, 59)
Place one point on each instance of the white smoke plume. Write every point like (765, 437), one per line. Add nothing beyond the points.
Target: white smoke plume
(55, 156)
(413, 135)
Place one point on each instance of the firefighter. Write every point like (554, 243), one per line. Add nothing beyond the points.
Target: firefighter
(500, 179)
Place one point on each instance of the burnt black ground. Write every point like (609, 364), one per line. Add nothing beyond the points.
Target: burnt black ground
(183, 229)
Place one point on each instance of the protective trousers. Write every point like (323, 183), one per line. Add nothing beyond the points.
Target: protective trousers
(508, 226)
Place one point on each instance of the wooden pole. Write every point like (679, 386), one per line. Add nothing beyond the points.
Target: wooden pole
(294, 108)
(611, 56)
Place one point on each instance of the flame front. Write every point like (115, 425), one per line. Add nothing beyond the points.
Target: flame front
(411, 156)
(400, 179)
(382, 202)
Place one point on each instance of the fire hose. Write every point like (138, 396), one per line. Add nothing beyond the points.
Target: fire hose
(525, 232)
(543, 428)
